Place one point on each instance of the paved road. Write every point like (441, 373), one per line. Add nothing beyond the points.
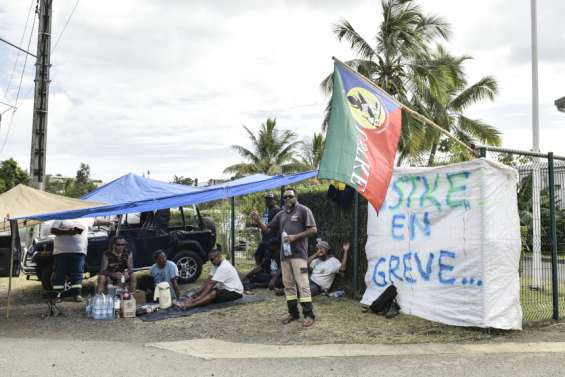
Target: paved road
(39, 357)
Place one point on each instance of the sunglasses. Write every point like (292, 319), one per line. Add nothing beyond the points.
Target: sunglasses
(288, 196)
(120, 244)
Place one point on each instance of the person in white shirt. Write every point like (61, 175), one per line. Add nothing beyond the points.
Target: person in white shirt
(222, 285)
(69, 252)
(325, 266)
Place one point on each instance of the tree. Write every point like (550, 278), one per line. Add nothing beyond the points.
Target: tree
(400, 62)
(272, 152)
(11, 175)
(179, 179)
(447, 110)
(312, 152)
(83, 174)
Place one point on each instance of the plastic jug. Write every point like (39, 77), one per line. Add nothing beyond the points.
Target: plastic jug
(163, 293)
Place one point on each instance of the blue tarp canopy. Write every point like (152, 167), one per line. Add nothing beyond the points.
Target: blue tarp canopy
(133, 188)
(132, 193)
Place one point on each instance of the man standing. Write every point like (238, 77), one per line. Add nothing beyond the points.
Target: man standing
(297, 222)
(69, 252)
(266, 262)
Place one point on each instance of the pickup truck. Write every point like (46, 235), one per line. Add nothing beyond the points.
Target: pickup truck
(186, 244)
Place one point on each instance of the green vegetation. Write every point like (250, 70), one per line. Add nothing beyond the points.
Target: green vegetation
(11, 175)
(72, 187)
(408, 62)
(273, 152)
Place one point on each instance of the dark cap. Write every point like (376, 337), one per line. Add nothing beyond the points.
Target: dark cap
(269, 195)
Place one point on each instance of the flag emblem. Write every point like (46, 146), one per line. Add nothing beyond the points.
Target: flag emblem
(366, 108)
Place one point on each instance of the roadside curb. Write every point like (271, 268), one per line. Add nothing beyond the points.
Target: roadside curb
(210, 349)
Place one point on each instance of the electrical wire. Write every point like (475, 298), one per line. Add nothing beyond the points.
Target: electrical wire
(65, 27)
(60, 35)
(18, 54)
(25, 62)
(19, 88)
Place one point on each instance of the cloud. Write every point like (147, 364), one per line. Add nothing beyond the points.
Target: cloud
(138, 85)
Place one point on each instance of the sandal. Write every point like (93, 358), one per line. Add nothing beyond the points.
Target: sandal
(308, 321)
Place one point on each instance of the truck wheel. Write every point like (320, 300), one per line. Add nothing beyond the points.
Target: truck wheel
(189, 265)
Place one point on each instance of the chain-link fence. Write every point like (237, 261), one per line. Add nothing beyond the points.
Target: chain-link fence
(541, 205)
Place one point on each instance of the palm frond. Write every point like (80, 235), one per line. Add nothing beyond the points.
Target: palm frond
(486, 88)
(344, 30)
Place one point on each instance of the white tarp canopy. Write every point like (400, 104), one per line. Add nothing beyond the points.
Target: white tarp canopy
(449, 239)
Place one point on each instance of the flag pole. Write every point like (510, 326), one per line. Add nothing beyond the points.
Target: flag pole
(414, 113)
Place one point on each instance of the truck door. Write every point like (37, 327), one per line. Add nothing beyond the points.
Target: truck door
(6, 249)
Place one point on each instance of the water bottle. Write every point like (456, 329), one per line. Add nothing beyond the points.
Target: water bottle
(274, 266)
(287, 251)
(116, 307)
(89, 306)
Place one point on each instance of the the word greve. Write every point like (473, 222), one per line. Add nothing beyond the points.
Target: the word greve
(413, 267)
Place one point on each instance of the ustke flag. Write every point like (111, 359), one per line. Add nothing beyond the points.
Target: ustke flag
(362, 136)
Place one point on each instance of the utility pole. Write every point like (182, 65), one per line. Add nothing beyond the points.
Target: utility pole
(536, 282)
(41, 97)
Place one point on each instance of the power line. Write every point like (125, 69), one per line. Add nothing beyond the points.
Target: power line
(19, 89)
(65, 27)
(59, 36)
(18, 55)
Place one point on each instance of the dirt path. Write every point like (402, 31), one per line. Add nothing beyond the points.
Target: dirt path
(338, 321)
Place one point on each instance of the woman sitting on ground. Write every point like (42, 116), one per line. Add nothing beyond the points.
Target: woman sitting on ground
(116, 267)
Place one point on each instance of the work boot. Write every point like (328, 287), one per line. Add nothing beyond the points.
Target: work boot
(288, 318)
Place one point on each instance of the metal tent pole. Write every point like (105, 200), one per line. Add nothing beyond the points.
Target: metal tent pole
(13, 233)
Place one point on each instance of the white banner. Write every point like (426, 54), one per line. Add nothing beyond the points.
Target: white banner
(449, 239)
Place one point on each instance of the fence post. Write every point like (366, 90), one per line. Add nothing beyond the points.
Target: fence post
(233, 230)
(355, 242)
(553, 237)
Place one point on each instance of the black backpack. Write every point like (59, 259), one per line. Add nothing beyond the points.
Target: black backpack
(384, 302)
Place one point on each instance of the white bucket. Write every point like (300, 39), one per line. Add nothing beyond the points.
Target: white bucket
(163, 293)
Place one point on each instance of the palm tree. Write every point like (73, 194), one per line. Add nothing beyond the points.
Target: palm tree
(447, 108)
(400, 61)
(272, 152)
(312, 152)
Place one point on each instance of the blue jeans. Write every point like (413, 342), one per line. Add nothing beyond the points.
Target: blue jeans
(71, 265)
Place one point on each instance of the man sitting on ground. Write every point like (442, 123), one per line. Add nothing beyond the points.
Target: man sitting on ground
(117, 266)
(165, 271)
(222, 285)
(325, 266)
(267, 267)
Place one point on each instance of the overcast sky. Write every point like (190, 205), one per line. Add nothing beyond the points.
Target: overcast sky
(166, 86)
